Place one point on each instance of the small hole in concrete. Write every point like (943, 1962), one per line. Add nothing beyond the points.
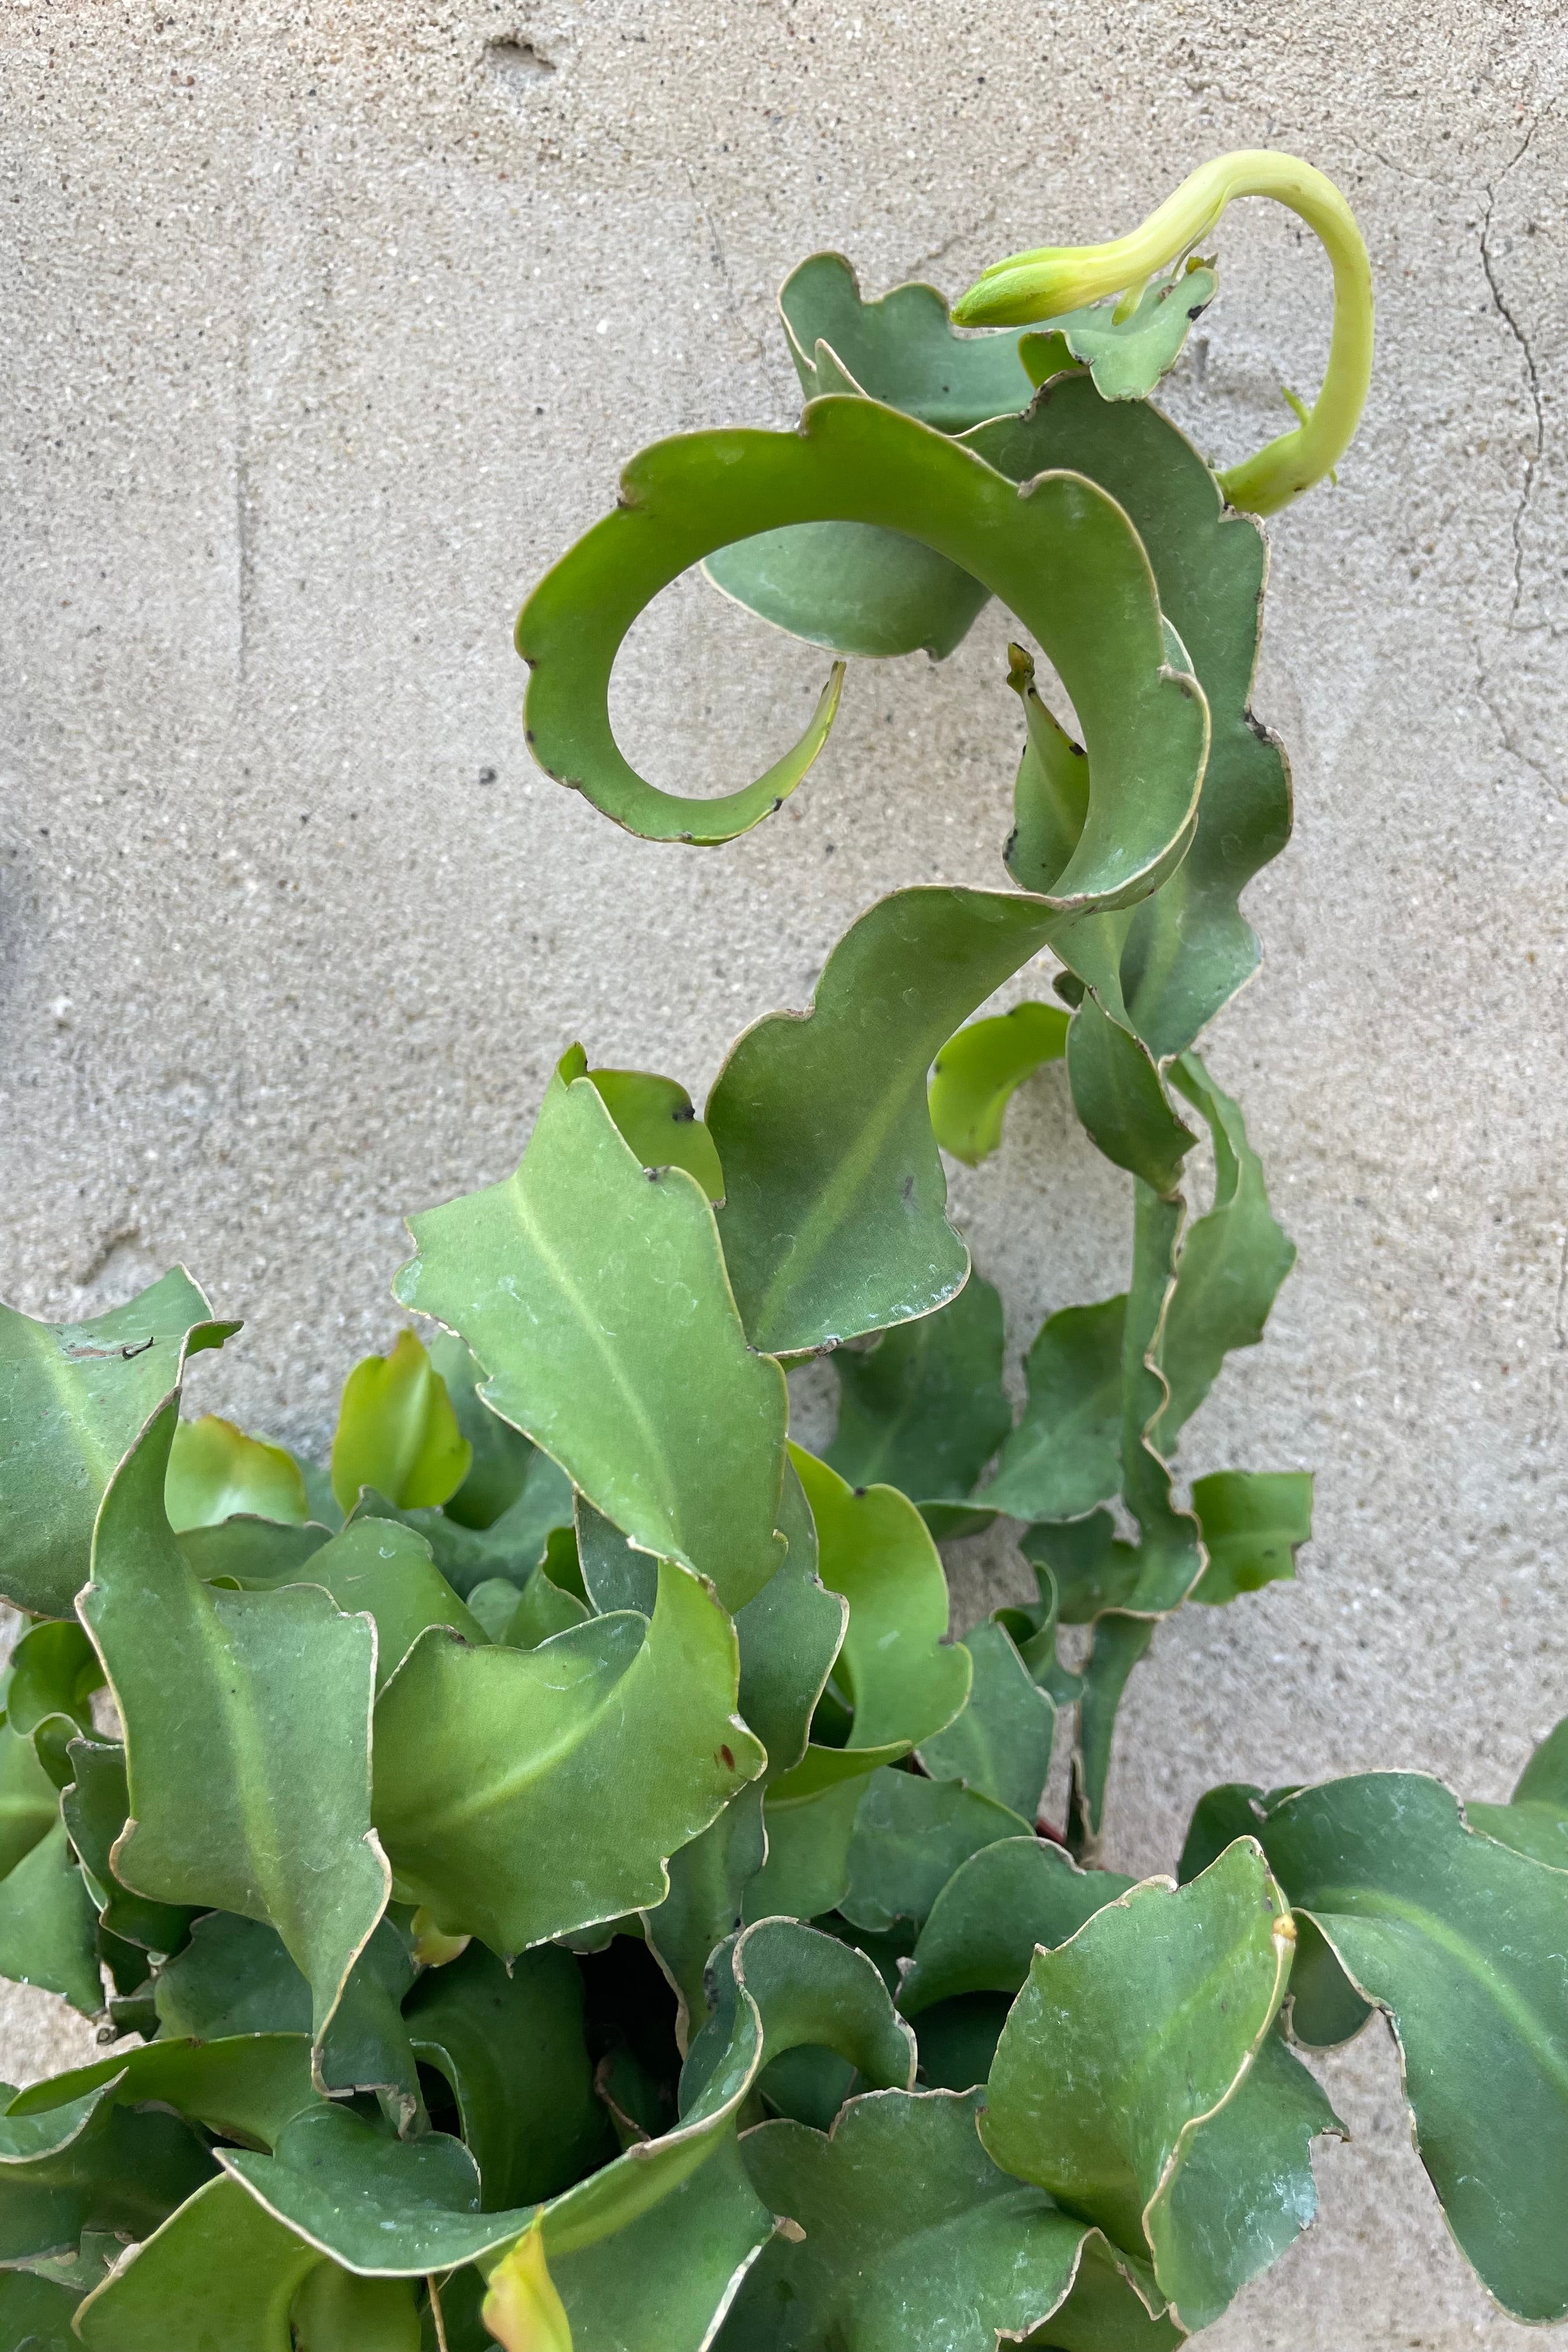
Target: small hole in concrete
(517, 63)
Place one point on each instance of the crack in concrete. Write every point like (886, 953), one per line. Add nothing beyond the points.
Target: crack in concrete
(1513, 748)
(720, 263)
(1521, 338)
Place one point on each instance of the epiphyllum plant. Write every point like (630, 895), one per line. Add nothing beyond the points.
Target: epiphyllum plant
(558, 1880)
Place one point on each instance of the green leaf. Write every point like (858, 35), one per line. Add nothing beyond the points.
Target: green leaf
(1001, 1742)
(95, 1809)
(29, 1801)
(216, 1471)
(923, 1408)
(1065, 1456)
(542, 1611)
(1535, 1819)
(397, 1431)
(676, 1433)
(220, 2271)
(1118, 1095)
(709, 1877)
(789, 1637)
(1125, 2039)
(257, 1553)
(852, 588)
(246, 2086)
(234, 1977)
(501, 1456)
(614, 1573)
(1126, 356)
(902, 1678)
(73, 1397)
(808, 1835)
(1244, 2190)
(979, 1071)
(1464, 1944)
(913, 2241)
(335, 2312)
(48, 1696)
(386, 1570)
(36, 2314)
(511, 1546)
(810, 1991)
(510, 2042)
(253, 1794)
(901, 349)
(661, 2283)
(1064, 556)
(1187, 948)
(497, 1824)
(656, 1118)
(1119, 1644)
(1230, 1266)
(96, 2170)
(910, 1836)
(1252, 1522)
(48, 1926)
(982, 1931)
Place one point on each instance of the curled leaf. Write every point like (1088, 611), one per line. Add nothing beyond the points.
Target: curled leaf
(397, 1431)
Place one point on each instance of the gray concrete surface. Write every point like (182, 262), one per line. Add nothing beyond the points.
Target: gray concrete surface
(325, 329)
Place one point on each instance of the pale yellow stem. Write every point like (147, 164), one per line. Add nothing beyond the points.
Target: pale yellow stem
(1056, 278)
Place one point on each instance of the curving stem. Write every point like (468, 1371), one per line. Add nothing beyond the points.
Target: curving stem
(1056, 278)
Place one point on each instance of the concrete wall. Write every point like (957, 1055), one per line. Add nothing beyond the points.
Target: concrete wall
(325, 329)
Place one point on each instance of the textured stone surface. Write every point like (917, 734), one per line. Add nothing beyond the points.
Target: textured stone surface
(325, 329)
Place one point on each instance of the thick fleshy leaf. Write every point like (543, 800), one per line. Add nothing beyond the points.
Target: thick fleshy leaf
(1063, 556)
(511, 1546)
(73, 1397)
(1117, 1093)
(1187, 948)
(912, 2240)
(563, 1776)
(95, 1808)
(789, 1637)
(234, 1977)
(48, 1695)
(112, 2172)
(808, 1835)
(901, 349)
(397, 1431)
(1064, 1454)
(1230, 1266)
(522, 2309)
(335, 2312)
(501, 1456)
(665, 2282)
(254, 1554)
(246, 1721)
(910, 1835)
(48, 1925)
(1120, 1642)
(217, 1472)
(220, 2271)
(996, 1907)
(857, 588)
(1126, 2038)
(898, 1672)
(923, 1408)
(36, 2314)
(676, 1433)
(979, 1071)
(1463, 1944)
(1001, 1742)
(510, 2044)
(709, 1877)
(1535, 1819)
(246, 2086)
(384, 1569)
(1253, 1522)
(1243, 2190)
(29, 1801)
(656, 1118)
(1126, 356)
(852, 588)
